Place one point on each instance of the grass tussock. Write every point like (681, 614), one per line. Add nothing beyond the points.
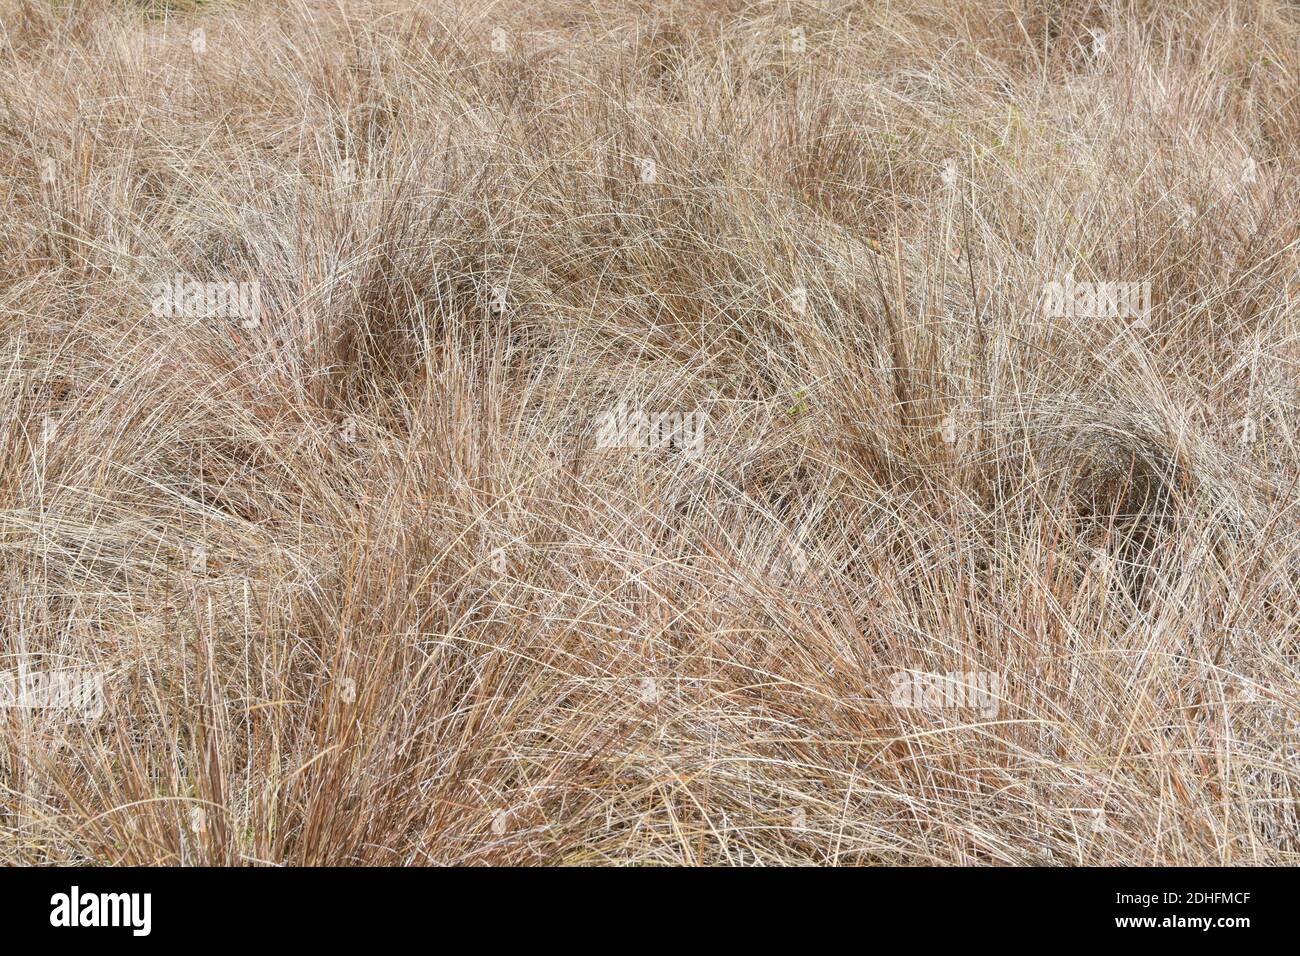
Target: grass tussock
(364, 585)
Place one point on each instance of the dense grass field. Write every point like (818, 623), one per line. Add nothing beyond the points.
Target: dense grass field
(327, 335)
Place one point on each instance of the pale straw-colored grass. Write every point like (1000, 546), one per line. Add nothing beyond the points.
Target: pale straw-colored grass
(366, 590)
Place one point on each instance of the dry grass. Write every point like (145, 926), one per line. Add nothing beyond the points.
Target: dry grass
(472, 636)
